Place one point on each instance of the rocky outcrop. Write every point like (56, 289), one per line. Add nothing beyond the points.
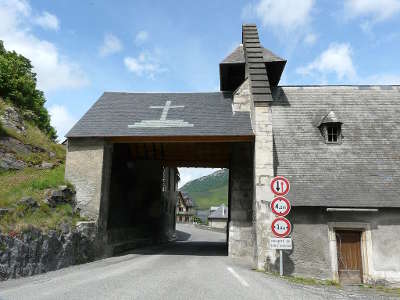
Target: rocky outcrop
(62, 195)
(12, 119)
(9, 161)
(28, 202)
(15, 152)
(33, 252)
(10, 151)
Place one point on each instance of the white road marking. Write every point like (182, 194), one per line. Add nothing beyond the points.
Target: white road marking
(237, 276)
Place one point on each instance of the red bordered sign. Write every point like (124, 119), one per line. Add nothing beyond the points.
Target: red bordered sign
(281, 227)
(280, 206)
(280, 186)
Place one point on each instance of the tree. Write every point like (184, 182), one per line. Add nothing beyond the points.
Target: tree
(18, 85)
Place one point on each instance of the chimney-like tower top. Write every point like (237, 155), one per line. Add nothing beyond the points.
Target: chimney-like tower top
(256, 70)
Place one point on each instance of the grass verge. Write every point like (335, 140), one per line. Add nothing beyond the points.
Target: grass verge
(304, 280)
(311, 281)
(384, 289)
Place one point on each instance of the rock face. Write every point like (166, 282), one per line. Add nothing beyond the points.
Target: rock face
(8, 161)
(28, 202)
(61, 195)
(14, 153)
(12, 119)
(34, 252)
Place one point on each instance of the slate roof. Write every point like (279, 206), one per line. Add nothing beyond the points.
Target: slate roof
(203, 114)
(363, 171)
(217, 214)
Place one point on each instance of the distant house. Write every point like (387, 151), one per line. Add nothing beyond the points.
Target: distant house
(218, 217)
(184, 208)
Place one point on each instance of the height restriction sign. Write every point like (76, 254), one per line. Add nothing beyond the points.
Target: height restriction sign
(280, 186)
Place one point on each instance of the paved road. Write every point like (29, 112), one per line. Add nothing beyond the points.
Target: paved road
(195, 267)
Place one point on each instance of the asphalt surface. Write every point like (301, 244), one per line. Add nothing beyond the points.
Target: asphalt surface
(194, 267)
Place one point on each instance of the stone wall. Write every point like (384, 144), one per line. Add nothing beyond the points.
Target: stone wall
(251, 239)
(168, 215)
(34, 252)
(314, 244)
(310, 254)
(241, 231)
(84, 169)
(263, 173)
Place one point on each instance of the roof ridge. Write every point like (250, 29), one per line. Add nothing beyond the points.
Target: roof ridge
(211, 92)
(337, 85)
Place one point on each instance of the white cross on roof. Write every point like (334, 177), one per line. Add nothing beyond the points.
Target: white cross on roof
(162, 122)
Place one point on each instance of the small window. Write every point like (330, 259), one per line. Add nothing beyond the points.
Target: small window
(332, 133)
(330, 127)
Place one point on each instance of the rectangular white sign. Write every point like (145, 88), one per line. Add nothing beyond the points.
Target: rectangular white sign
(280, 243)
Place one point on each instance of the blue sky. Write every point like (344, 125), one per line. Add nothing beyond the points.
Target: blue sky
(80, 49)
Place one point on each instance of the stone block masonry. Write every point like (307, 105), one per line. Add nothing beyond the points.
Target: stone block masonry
(241, 233)
(84, 169)
(263, 173)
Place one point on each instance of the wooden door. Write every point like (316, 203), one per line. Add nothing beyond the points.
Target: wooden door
(349, 256)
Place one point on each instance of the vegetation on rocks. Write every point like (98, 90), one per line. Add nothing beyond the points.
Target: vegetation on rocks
(38, 212)
(37, 184)
(33, 191)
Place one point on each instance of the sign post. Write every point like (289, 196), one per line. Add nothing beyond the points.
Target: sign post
(281, 227)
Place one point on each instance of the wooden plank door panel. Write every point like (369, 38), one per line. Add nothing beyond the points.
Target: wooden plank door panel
(349, 256)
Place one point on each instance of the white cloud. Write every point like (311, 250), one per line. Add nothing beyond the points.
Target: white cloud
(48, 21)
(111, 45)
(141, 37)
(371, 11)
(61, 120)
(310, 39)
(336, 59)
(377, 10)
(146, 64)
(189, 174)
(283, 15)
(54, 71)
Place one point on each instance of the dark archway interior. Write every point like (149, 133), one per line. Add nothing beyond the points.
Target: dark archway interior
(143, 189)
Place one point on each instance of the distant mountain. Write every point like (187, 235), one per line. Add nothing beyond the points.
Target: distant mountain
(210, 190)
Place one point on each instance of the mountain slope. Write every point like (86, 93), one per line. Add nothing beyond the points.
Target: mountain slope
(210, 190)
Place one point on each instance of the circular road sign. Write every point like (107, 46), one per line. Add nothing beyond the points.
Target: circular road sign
(280, 206)
(281, 227)
(280, 186)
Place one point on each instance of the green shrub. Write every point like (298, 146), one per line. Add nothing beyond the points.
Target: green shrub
(18, 85)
